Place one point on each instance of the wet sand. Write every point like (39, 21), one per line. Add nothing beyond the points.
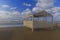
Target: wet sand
(41, 34)
(11, 33)
(20, 33)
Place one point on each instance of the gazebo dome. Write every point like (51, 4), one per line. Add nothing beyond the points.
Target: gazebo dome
(40, 14)
(44, 20)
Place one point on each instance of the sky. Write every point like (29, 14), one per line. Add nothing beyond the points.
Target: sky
(17, 9)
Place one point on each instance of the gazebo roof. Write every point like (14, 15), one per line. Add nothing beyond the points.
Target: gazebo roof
(40, 14)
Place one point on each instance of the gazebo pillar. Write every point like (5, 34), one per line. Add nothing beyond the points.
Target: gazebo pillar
(38, 18)
(38, 21)
(52, 22)
(33, 23)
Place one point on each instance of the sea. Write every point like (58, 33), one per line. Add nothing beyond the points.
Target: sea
(11, 23)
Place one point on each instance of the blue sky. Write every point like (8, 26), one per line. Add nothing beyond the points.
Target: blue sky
(18, 4)
(57, 3)
(15, 9)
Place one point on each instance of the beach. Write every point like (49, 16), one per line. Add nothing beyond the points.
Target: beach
(11, 33)
(41, 35)
(22, 33)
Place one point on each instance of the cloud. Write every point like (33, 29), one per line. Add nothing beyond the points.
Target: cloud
(26, 12)
(48, 10)
(4, 14)
(43, 5)
(8, 14)
(47, 5)
(26, 4)
(56, 14)
(47, 1)
(37, 9)
(13, 8)
(5, 6)
(56, 11)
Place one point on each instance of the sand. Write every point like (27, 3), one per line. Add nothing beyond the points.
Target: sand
(20, 33)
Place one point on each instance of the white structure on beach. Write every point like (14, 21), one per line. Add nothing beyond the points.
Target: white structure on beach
(39, 20)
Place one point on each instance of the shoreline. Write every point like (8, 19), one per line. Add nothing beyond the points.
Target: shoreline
(11, 28)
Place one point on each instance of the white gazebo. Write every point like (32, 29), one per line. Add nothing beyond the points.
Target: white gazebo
(39, 20)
